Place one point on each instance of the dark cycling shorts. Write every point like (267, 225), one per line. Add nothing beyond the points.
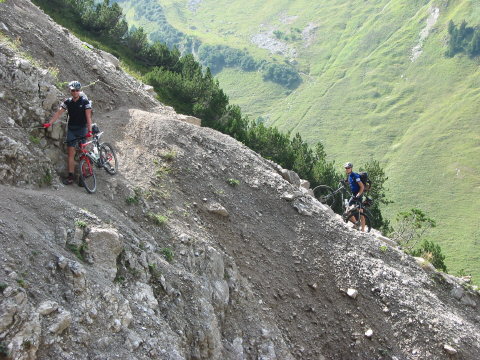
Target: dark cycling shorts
(73, 134)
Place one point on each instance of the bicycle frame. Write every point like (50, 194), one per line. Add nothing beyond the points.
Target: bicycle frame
(341, 189)
(86, 155)
(93, 154)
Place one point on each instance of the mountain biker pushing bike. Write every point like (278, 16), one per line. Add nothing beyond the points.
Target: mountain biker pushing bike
(79, 124)
(357, 188)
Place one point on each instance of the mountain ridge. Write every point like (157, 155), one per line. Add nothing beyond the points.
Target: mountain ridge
(365, 98)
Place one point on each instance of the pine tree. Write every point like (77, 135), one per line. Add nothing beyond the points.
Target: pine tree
(377, 176)
(451, 27)
(474, 47)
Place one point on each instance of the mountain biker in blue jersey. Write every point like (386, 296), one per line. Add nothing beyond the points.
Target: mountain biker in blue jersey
(357, 188)
(79, 124)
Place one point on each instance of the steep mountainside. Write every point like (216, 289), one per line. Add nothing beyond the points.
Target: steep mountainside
(376, 84)
(197, 249)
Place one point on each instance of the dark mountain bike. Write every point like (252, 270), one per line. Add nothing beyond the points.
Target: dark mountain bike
(92, 153)
(338, 200)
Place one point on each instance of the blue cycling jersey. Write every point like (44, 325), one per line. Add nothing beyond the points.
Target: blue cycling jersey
(353, 180)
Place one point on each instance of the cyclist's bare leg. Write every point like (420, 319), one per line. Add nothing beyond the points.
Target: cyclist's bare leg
(71, 159)
(354, 220)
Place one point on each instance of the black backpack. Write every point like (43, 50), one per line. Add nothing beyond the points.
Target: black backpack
(365, 180)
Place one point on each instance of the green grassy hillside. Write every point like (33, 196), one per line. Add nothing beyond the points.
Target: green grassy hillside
(364, 95)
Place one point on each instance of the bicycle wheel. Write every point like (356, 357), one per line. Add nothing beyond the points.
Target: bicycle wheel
(108, 158)
(358, 224)
(87, 176)
(324, 194)
(368, 223)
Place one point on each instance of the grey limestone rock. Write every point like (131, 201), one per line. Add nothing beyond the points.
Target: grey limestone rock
(218, 209)
(104, 245)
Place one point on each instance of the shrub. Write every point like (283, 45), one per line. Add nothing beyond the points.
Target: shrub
(169, 155)
(78, 250)
(34, 140)
(81, 223)
(158, 219)
(135, 198)
(282, 74)
(432, 253)
(233, 182)
(152, 268)
(3, 286)
(119, 279)
(411, 226)
(168, 253)
(162, 171)
(463, 39)
(378, 192)
(47, 178)
(219, 56)
(3, 345)
(130, 200)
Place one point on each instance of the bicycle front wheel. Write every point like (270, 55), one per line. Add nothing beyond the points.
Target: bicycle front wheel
(108, 158)
(87, 176)
(324, 194)
(357, 223)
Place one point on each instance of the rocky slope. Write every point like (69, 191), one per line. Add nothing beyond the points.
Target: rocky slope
(197, 249)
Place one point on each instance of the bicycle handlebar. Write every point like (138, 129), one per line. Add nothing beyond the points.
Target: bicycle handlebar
(93, 135)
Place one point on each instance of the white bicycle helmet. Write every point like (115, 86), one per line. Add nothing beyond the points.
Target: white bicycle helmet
(348, 165)
(74, 85)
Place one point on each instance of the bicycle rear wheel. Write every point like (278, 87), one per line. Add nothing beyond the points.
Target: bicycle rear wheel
(108, 158)
(368, 223)
(324, 194)
(87, 176)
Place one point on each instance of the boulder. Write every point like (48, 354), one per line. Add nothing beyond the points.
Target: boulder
(305, 184)
(190, 119)
(104, 245)
(216, 208)
(47, 307)
(109, 57)
(62, 321)
(352, 293)
(144, 293)
(291, 176)
(449, 349)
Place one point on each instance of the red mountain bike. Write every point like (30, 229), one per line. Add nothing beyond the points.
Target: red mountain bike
(93, 153)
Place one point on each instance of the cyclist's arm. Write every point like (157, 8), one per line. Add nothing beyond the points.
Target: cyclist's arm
(362, 188)
(88, 115)
(57, 115)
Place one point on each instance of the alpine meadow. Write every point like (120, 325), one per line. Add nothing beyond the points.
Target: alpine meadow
(371, 80)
